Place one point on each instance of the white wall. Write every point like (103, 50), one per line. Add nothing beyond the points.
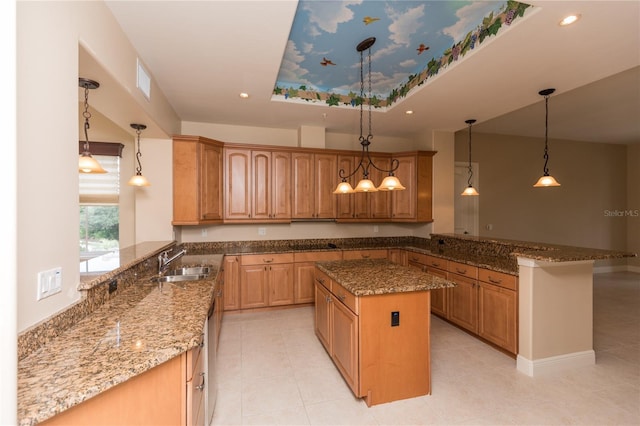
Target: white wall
(48, 56)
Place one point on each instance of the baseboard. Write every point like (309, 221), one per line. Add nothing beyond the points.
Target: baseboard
(616, 268)
(555, 363)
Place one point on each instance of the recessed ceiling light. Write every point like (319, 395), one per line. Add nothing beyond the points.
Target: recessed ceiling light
(408, 112)
(244, 95)
(568, 20)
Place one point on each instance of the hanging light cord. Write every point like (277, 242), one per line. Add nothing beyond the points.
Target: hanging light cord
(546, 131)
(470, 122)
(138, 154)
(87, 115)
(366, 141)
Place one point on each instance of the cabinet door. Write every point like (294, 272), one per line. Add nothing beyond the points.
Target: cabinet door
(302, 171)
(498, 316)
(211, 182)
(380, 207)
(254, 286)
(344, 341)
(303, 291)
(463, 302)
(237, 184)
(231, 283)
(344, 202)
(261, 184)
(280, 284)
(438, 297)
(325, 179)
(281, 185)
(322, 316)
(403, 203)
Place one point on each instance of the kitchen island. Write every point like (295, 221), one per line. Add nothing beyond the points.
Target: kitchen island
(373, 318)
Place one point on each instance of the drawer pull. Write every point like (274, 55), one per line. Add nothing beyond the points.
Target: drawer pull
(437, 265)
(342, 297)
(366, 256)
(414, 259)
(267, 260)
(495, 281)
(320, 280)
(461, 271)
(201, 386)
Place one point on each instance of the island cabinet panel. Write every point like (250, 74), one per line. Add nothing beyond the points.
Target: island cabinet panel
(197, 181)
(379, 359)
(304, 268)
(167, 394)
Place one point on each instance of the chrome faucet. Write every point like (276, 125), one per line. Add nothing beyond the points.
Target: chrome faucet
(164, 260)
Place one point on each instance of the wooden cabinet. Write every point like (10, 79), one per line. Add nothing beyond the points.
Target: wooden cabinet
(170, 393)
(314, 178)
(463, 298)
(415, 172)
(398, 256)
(231, 273)
(304, 267)
(257, 185)
(266, 280)
(439, 298)
(365, 254)
(498, 309)
(197, 181)
(379, 361)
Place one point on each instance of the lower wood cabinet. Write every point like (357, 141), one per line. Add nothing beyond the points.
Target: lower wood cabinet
(171, 393)
(379, 362)
(498, 309)
(266, 280)
(304, 267)
(231, 271)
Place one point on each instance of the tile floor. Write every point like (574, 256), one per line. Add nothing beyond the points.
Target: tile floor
(273, 371)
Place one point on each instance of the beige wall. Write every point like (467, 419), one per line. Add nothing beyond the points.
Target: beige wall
(49, 36)
(593, 178)
(633, 204)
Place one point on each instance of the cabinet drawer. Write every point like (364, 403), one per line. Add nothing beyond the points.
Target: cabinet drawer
(364, 254)
(317, 256)
(323, 279)
(344, 296)
(498, 278)
(265, 259)
(417, 258)
(463, 269)
(436, 262)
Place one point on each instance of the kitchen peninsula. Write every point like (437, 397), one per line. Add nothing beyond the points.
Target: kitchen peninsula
(373, 318)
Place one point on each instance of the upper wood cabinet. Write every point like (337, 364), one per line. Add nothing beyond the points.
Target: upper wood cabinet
(257, 185)
(414, 204)
(197, 180)
(314, 178)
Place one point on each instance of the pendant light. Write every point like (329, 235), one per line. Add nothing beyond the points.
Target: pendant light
(546, 179)
(138, 179)
(470, 190)
(86, 163)
(391, 182)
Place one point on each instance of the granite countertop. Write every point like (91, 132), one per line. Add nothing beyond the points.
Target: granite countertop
(144, 326)
(366, 277)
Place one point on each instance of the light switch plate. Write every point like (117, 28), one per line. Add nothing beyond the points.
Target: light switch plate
(49, 282)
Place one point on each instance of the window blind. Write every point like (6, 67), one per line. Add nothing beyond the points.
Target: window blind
(101, 188)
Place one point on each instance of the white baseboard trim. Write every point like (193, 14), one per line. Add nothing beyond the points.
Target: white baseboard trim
(554, 364)
(617, 268)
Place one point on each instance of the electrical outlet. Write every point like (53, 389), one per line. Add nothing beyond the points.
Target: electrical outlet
(375, 228)
(113, 286)
(203, 232)
(49, 283)
(262, 231)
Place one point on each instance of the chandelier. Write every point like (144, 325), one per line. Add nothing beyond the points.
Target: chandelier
(470, 190)
(86, 163)
(390, 182)
(546, 180)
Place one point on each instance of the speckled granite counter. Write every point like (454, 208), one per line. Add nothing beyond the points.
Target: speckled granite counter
(366, 277)
(142, 327)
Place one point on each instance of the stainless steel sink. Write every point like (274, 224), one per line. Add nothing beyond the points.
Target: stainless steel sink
(184, 274)
(194, 270)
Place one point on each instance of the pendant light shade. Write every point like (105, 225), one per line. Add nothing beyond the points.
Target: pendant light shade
(470, 190)
(546, 180)
(138, 179)
(390, 183)
(86, 163)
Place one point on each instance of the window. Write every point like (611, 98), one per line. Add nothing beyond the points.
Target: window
(99, 209)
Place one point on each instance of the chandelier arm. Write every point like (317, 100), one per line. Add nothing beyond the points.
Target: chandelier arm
(394, 166)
